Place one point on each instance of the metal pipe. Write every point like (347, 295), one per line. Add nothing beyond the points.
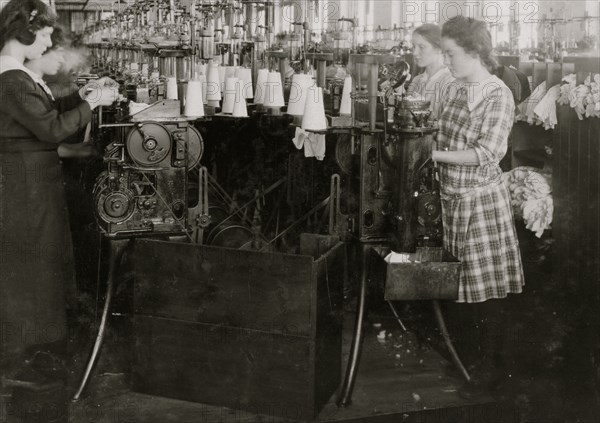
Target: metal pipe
(356, 347)
(372, 93)
(117, 248)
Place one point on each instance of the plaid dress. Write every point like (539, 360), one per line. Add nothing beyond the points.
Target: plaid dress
(477, 216)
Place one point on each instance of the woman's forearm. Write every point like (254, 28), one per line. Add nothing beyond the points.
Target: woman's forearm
(460, 157)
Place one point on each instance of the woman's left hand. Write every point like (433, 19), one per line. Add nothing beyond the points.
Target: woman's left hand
(97, 85)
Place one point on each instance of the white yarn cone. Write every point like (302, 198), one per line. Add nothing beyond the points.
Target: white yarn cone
(346, 103)
(298, 94)
(261, 81)
(194, 105)
(202, 68)
(314, 110)
(230, 72)
(213, 103)
(172, 88)
(245, 77)
(222, 76)
(274, 91)
(239, 108)
(213, 86)
(202, 80)
(229, 95)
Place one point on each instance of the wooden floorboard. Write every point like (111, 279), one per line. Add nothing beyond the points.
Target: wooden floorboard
(398, 381)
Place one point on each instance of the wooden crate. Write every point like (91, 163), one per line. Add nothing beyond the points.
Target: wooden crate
(243, 329)
(434, 275)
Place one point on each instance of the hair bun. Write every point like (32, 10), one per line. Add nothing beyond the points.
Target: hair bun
(21, 19)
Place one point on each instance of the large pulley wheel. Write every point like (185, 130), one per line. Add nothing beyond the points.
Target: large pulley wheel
(114, 206)
(232, 236)
(195, 146)
(148, 144)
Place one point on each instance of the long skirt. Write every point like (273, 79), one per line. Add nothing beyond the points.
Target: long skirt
(479, 230)
(36, 255)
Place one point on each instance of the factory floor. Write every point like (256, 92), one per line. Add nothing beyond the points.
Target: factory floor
(399, 379)
(403, 376)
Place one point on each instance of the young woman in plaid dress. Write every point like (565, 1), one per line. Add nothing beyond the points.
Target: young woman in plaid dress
(477, 215)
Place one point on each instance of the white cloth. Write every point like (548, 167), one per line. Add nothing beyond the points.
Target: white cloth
(545, 111)
(531, 197)
(526, 108)
(314, 144)
(8, 63)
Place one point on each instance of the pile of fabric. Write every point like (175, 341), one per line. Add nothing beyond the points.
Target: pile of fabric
(540, 107)
(584, 98)
(531, 197)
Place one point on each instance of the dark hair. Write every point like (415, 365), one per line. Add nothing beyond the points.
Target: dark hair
(59, 38)
(21, 19)
(473, 36)
(432, 33)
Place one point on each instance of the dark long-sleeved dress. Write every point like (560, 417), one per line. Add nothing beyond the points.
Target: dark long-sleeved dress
(36, 257)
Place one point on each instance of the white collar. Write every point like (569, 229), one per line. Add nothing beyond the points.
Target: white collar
(477, 92)
(8, 63)
(443, 71)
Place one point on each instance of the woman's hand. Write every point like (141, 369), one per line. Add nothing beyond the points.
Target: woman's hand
(101, 92)
(96, 84)
(101, 96)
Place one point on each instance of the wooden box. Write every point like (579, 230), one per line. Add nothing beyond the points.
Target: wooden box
(433, 274)
(243, 329)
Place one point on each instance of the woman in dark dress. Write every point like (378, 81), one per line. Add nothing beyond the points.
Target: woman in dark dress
(36, 258)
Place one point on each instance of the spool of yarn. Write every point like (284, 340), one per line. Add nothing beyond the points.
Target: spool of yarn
(346, 103)
(245, 77)
(261, 81)
(239, 108)
(274, 91)
(201, 68)
(230, 72)
(213, 86)
(314, 110)
(222, 74)
(229, 95)
(202, 80)
(171, 88)
(194, 106)
(298, 93)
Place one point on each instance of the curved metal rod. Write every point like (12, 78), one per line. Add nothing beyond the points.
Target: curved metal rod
(453, 354)
(356, 347)
(117, 248)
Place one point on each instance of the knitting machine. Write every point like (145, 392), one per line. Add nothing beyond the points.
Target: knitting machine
(144, 188)
(396, 183)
